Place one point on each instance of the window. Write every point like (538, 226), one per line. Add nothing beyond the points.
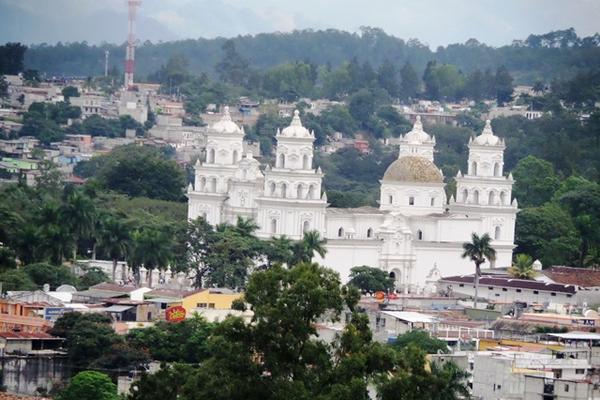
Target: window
(465, 195)
(476, 197)
(433, 202)
(369, 232)
(536, 292)
(518, 290)
(552, 294)
(284, 190)
(273, 188)
(390, 199)
(461, 285)
(211, 305)
(496, 169)
(492, 198)
(235, 156)
(305, 226)
(213, 185)
(305, 162)
(579, 371)
(299, 191)
(341, 232)
(282, 161)
(211, 156)
(566, 388)
(411, 201)
(504, 289)
(201, 305)
(503, 198)
(497, 233)
(420, 234)
(490, 288)
(569, 295)
(473, 168)
(311, 192)
(273, 225)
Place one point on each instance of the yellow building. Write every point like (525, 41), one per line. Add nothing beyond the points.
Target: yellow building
(213, 298)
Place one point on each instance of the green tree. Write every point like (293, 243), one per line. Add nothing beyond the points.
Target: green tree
(114, 241)
(478, 250)
(11, 58)
(409, 82)
(304, 250)
(151, 247)
(503, 84)
(54, 275)
(78, 214)
(370, 280)
(232, 68)
(522, 268)
(91, 277)
(422, 340)
(70, 91)
(90, 385)
(535, 181)
(387, 77)
(16, 279)
(362, 105)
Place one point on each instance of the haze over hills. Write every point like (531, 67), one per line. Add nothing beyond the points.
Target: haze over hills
(434, 22)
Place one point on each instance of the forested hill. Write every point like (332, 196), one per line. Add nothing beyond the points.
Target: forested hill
(539, 57)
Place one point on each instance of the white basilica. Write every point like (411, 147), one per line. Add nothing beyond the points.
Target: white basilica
(416, 234)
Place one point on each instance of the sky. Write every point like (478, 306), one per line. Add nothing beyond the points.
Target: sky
(434, 22)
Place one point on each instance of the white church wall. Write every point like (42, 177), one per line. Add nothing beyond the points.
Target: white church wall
(342, 255)
(357, 226)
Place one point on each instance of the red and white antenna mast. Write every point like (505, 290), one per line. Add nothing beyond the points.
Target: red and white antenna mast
(130, 54)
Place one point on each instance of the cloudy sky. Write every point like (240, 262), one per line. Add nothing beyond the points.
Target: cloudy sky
(435, 22)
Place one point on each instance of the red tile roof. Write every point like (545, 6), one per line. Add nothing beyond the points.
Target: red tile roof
(573, 276)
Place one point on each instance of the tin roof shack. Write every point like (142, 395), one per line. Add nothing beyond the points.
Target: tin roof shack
(131, 310)
(26, 343)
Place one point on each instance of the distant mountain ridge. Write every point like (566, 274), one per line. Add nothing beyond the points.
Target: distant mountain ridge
(555, 54)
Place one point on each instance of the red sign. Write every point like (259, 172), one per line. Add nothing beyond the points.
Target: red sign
(380, 296)
(175, 314)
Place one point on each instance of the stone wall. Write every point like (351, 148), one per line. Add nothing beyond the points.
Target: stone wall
(24, 374)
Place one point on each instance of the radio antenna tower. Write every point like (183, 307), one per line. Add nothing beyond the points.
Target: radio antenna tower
(130, 55)
(106, 54)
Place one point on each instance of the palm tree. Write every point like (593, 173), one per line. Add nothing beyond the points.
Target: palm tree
(79, 214)
(54, 236)
(477, 250)
(245, 226)
(114, 241)
(151, 248)
(522, 268)
(305, 249)
(279, 250)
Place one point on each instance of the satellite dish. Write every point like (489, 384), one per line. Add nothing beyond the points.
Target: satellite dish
(66, 289)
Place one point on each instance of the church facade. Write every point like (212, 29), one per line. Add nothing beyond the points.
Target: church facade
(416, 233)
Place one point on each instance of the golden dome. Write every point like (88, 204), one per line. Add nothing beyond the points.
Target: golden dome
(413, 169)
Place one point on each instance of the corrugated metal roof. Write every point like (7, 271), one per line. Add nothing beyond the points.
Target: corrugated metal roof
(511, 282)
(411, 316)
(577, 335)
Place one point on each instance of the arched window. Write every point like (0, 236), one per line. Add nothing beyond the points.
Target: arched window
(465, 195)
(341, 232)
(476, 197)
(202, 184)
(492, 198)
(305, 162)
(370, 232)
(391, 199)
(411, 201)
(282, 161)
(274, 225)
(299, 191)
(433, 202)
(420, 234)
(306, 226)
(311, 192)
(497, 233)
(211, 156)
(473, 168)
(503, 198)
(273, 188)
(235, 156)
(284, 190)
(496, 169)
(213, 185)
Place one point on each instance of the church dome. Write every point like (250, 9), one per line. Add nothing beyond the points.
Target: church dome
(487, 137)
(417, 134)
(296, 129)
(225, 124)
(413, 169)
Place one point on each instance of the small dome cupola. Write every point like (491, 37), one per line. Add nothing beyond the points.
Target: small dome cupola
(417, 135)
(487, 137)
(226, 124)
(295, 129)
